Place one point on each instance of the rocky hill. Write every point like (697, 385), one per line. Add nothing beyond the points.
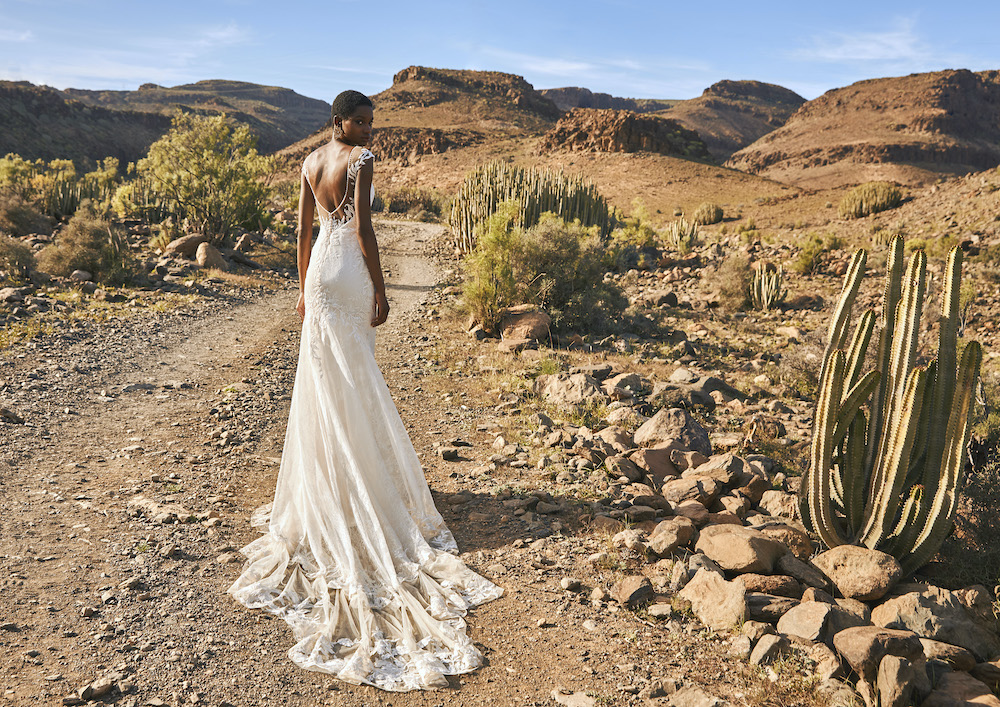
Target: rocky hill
(41, 122)
(593, 130)
(575, 97)
(908, 129)
(445, 98)
(730, 115)
(279, 116)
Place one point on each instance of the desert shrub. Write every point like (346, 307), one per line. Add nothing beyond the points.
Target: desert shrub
(707, 214)
(681, 235)
(16, 260)
(870, 198)
(554, 264)
(733, 282)
(54, 187)
(632, 243)
(411, 200)
(89, 243)
(205, 170)
(19, 217)
(534, 191)
(811, 256)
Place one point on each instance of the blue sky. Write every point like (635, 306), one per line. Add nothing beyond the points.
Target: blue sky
(627, 48)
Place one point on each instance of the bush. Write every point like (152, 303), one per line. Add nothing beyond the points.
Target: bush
(733, 281)
(92, 244)
(205, 170)
(16, 260)
(54, 187)
(554, 264)
(19, 217)
(810, 258)
(410, 200)
(707, 214)
(870, 198)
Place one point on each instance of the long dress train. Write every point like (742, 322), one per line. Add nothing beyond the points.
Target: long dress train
(356, 558)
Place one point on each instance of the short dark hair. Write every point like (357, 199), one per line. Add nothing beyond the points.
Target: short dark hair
(347, 102)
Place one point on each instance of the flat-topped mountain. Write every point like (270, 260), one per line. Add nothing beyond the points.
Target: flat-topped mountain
(909, 129)
(446, 98)
(42, 123)
(577, 97)
(730, 115)
(278, 116)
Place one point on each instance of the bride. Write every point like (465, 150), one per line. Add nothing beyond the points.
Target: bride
(355, 557)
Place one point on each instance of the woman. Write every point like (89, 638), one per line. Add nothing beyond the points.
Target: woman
(355, 558)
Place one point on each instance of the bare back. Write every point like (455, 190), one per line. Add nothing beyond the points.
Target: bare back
(326, 171)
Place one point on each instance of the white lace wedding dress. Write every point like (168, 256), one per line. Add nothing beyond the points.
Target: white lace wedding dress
(356, 558)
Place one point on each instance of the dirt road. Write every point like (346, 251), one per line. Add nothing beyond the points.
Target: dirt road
(145, 445)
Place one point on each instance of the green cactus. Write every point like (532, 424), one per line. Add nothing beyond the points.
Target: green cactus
(889, 446)
(535, 191)
(766, 291)
(681, 234)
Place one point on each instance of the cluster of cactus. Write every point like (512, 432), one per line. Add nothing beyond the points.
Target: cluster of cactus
(535, 191)
(61, 198)
(766, 291)
(54, 187)
(889, 445)
(141, 198)
(870, 198)
(681, 234)
(707, 214)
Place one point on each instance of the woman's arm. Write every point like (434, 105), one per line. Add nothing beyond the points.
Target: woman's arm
(307, 210)
(369, 245)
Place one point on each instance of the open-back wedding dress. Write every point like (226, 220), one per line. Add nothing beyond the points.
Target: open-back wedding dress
(356, 558)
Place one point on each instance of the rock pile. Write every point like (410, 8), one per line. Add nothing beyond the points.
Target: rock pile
(719, 534)
(592, 130)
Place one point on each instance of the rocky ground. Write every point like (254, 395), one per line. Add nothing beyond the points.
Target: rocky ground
(134, 450)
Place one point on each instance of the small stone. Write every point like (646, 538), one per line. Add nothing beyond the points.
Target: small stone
(590, 625)
(632, 592)
(570, 584)
(448, 454)
(768, 649)
(741, 647)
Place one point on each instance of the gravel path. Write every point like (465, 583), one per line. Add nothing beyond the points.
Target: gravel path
(147, 443)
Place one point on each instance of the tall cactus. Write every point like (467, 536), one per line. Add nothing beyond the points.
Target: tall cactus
(766, 291)
(535, 191)
(889, 446)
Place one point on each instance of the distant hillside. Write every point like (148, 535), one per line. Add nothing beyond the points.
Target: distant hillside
(594, 130)
(40, 122)
(279, 116)
(909, 129)
(422, 97)
(576, 97)
(730, 115)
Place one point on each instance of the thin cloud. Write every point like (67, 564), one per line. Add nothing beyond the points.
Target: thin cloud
(533, 63)
(899, 44)
(7, 35)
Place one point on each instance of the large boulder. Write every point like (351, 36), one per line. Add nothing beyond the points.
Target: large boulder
(705, 491)
(864, 647)
(718, 604)
(186, 246)
(670, 534)
(569, 389)
(208, 256)
(938, 614)
(525, 324)
(674, 425)
(858, 572)
(740, 549)
(959, 689)
(817, 621)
